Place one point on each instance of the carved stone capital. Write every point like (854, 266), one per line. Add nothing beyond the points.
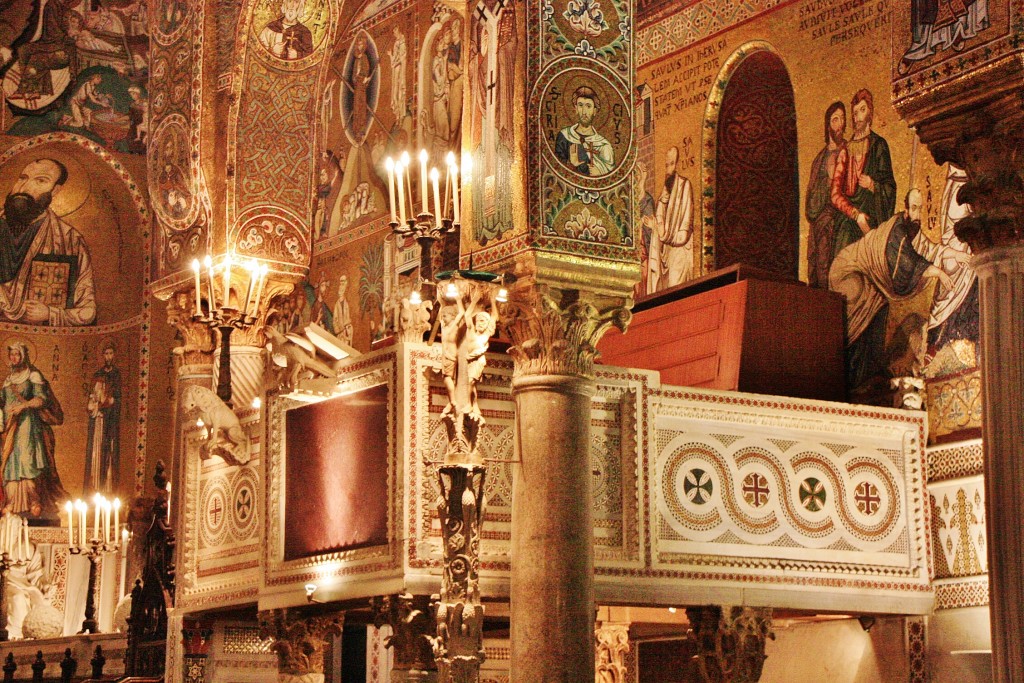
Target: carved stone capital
(555, 331)
(411, 630)
(730, 642)
(299, 641)
(612, 646)
(994, 161)
(197, 340)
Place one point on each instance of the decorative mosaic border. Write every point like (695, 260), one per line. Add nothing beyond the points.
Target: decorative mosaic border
(952, 595)
(964, 459)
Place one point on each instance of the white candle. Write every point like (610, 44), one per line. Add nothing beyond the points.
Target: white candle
(259, 289)
(80, 506)
(389, 164)
(406, 165)
(208, 262)
(117, 515)
(227, 281)
(254, 271)
(70, 509)
(434, 176)
(168, 502)
(455, 195)
(124, 561)
(401, 192)
(107, 538)
(96, 515)
(195, 269)
(423, 180)
(449, 165)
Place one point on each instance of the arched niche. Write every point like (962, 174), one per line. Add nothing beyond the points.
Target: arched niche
(752, 196)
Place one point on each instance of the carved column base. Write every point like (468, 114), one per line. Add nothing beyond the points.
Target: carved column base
(730, 642)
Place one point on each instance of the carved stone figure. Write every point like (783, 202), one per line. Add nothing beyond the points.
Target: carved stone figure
(227, 438)
(465, 334)
(413, 320)
(295, 358)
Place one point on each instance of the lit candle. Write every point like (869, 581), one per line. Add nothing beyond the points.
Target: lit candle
(389, 164)
(434, 177)
(423, 180)
(124, 561)
(168, 502)
(406, 165)
(455, 195)
(80, 507)
(96, 500)
(70, 509)
(254, 271)
(401, 191)
(449, 164)
(259, 288)
(107, 537)
(117, 514)
(195, 269)
(208, 262)
(227, 281)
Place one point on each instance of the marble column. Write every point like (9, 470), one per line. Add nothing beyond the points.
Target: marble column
(995, 233)
(552, 584)
(412, 629)
(300, 641)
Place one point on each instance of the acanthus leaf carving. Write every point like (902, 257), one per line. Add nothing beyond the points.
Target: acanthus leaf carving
(299, 639)
(555, 332)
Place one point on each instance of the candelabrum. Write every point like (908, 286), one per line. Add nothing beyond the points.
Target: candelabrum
(107, 536)
(424, 226)
(227, 318)
(15, 551)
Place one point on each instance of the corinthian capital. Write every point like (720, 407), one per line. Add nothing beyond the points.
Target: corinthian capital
(197, 343)
(299, 640)
(994, 161)
(555, 331)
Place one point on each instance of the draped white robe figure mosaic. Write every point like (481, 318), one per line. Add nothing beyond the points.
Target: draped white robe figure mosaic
(580, 145)
(465, 334)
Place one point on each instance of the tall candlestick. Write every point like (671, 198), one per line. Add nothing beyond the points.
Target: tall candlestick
(208, 263)
(401, 192)
(70, 509)
(195, 269)
(389, 164)
(434, 176)
(449, 165)
(227, 281)
(423, 180)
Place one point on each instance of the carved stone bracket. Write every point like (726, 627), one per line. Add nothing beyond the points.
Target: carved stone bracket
(299, 642)
(411, 626)
(555, 332)
(730, 642)
(459, 615)
(612, 647)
